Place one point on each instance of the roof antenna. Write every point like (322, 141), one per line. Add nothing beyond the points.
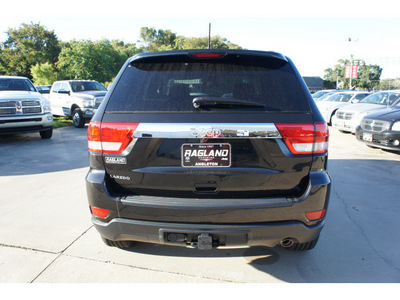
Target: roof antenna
(209, 35)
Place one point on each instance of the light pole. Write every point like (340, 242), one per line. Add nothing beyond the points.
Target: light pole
(351, 73)
(209, 35)
(352, 59)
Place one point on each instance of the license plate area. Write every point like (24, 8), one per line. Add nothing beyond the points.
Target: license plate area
(367, 137)
(206, 155)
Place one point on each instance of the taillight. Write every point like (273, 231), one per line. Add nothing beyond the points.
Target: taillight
(208, 55)
(110, 137)
(321, 141)
(99, 212)
(315, 215)
(94, 137)
(305, 138)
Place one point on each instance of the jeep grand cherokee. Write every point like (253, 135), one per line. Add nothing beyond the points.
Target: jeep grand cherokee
(209, 148)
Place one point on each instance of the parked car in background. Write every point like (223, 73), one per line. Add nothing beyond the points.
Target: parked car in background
(319, 94)
(209, 148)
(349, 117)
(327, 94)
(77, 99)
(334, 101)
(44, 90)
(381, 129)
(23, 109)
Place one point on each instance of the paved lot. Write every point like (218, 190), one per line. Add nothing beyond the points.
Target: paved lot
(46, 234)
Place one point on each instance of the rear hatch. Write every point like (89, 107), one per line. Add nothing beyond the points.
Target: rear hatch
(207, 125)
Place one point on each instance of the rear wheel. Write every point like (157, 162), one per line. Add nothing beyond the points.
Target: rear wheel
(304, 246)
(119, 244)
(77, 118)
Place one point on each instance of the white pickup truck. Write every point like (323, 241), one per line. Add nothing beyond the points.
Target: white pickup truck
(23, 109)
(77, 99)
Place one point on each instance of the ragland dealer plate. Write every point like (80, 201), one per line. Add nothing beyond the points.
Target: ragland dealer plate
(206, 155)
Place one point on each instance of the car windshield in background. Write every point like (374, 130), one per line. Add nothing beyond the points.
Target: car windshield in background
(44, 89)
(381, 98)
(319, 94)
(83, 86)
(16, 85)
(172, 86)
(340, 97)
(324, 97)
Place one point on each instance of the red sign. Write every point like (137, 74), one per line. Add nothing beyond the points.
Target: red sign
(351, 71)
(355, 71)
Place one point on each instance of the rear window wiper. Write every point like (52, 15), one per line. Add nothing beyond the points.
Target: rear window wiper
(214, 101)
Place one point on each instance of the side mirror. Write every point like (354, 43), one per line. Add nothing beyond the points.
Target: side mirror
(62, 91)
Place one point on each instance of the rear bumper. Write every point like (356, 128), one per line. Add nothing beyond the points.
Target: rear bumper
(270, 234)
(234, 225)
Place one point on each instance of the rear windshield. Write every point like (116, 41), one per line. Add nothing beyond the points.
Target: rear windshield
(171, 87)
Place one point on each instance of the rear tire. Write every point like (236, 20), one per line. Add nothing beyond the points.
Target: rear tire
(46, 134)
(118, 244)
(304, 246)
(77, 118)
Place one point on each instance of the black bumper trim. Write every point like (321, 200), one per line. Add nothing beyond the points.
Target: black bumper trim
(267, 234)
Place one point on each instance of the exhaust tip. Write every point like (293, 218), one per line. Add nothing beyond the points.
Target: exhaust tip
(287, 242)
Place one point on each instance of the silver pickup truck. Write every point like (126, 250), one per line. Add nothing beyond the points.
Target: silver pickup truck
(77, 99)
(23, 109)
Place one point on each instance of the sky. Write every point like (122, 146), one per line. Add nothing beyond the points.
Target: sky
(313, 33)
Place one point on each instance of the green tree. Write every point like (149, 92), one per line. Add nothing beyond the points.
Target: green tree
(217, 42)
(90, 60)
(389, 84)
(125, 50)
(43, 74)
(27, 46)
(161, 40)
(157, 40)
(368, 76)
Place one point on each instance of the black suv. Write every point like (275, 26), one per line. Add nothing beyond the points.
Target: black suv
(209, 148)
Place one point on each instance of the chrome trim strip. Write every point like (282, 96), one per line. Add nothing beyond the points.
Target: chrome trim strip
(200, 130)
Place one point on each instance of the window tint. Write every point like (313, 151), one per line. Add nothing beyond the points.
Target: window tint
(361, 96)
(81, 86)
(65, 86)
(381, 98)
(7, 84)
(146, 87)
(346, 98)
(340, 97)
(56, 87)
